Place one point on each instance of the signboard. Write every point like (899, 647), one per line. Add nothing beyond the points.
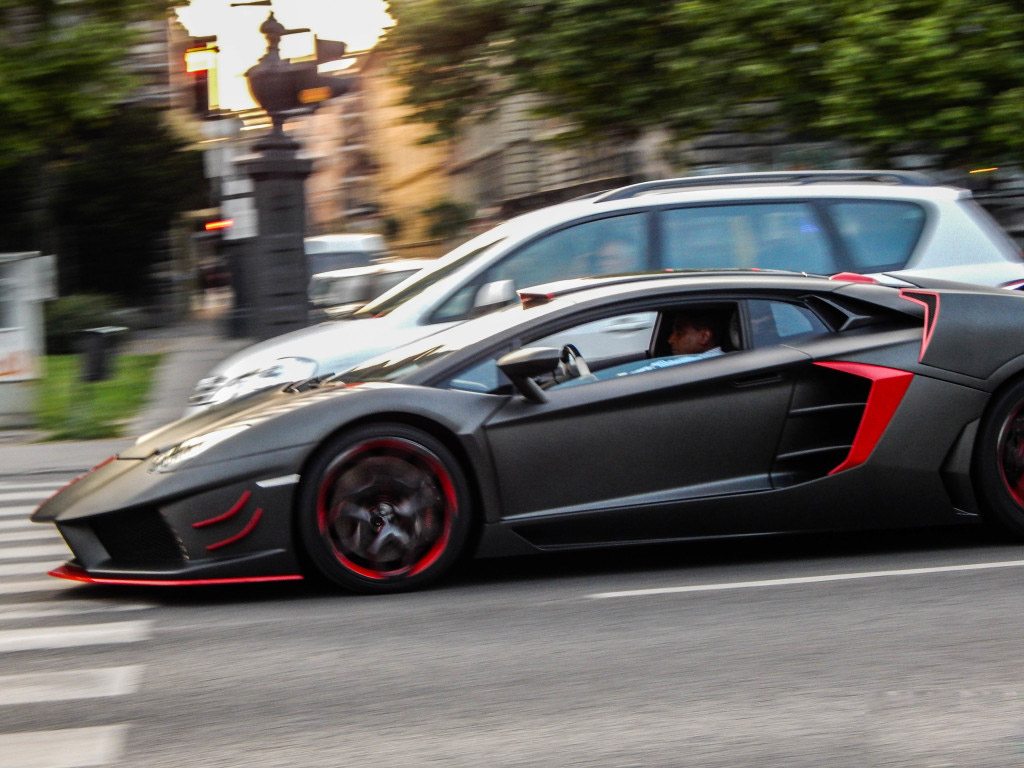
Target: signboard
(17, 361)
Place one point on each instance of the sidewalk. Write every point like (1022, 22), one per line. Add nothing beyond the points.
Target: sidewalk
(190, 350)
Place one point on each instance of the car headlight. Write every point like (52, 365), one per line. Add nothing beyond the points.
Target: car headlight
(282, 371)
(174, 457)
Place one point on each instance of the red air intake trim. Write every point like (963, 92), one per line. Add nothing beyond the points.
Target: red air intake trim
(888, 385)
(77, 574)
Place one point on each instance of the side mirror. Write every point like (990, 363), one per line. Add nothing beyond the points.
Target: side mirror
(523, 365)
(494, 295)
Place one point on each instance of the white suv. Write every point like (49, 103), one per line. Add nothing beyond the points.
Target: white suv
(886, 224)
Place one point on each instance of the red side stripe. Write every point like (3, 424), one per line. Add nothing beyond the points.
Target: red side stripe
(930, 302)
(888, 385)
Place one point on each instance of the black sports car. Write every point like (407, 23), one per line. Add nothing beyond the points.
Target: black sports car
(565, 423)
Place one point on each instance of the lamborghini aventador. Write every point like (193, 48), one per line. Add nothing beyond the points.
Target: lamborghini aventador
(566, 422)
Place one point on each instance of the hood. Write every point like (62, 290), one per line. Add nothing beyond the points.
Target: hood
(335, 346)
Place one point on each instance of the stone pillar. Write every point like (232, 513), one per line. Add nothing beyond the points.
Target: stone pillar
(275, 265)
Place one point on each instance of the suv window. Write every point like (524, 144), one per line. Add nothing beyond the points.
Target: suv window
(878, 235)
(765, 235)
(601, 247)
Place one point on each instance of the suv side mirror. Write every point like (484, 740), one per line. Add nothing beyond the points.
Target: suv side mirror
(523, 364)
(494, 295)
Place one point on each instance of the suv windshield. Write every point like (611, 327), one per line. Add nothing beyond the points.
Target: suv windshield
(469, 251)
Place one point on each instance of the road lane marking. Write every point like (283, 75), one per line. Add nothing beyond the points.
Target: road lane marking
(40, 534)
(16, 523)
(23, 496)
(23, 511)
(805, 580)
(21, 611)
(24, 569)
(70, 685)
(49, 584)
(47, 550)
(52, 485)
(73, 636)
(69, 748)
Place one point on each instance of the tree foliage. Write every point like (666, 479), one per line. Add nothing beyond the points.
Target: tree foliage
(937, 76)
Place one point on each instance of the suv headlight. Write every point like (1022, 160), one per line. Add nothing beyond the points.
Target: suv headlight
(216, 390)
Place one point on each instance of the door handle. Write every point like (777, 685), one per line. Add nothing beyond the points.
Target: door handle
(757, 380)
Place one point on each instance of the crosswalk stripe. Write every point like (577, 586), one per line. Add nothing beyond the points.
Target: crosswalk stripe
(41, 533)
(6, 485)
(69, 748)
(41, 638)
(15, 523)
(40, 550)
(24, 569)
(23, 496)
(21, 611)
(49, 584)
(23, 511)
(66, 686)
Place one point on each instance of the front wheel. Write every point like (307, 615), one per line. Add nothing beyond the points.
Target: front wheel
(384, 509)
(999, 460)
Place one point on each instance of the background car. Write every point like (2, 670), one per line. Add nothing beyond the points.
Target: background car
(340, 292)
(328, 252)
(892, 225)
(834, 405)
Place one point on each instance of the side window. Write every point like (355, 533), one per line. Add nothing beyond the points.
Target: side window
(605, 246)
(609, 337)
(776, 322)
(878, 235)
(765, 235)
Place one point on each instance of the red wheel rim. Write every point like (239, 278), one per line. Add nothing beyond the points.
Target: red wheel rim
(1011, 455)
(385, 508)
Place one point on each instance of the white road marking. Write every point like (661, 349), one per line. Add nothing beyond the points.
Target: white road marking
(806, 580)
(20, 611)
(48, 584)
(73, 636)
(24, 511)
(42, 550)
(70, 748)
(53, 485)
(24, 569)
(40, 534)
(23, 496)
(24, 522)
(69, 685)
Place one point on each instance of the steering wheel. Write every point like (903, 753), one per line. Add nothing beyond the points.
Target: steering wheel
(572, 365)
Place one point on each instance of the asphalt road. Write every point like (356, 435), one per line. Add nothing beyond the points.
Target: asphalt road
(884, 649)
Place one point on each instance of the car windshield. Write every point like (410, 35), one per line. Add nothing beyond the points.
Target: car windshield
(410, 358)
(428, 277)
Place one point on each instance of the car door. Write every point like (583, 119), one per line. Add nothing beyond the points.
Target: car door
(625, 459)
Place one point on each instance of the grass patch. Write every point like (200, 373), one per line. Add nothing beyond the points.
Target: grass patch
(68, 408)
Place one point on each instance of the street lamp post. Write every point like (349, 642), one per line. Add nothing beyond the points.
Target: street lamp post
(274, 277)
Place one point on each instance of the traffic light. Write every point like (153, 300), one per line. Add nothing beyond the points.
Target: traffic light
(317, 87)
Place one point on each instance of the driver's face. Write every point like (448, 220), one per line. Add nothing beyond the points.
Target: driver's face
(687, 340)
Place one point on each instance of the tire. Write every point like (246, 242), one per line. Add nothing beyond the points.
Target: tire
(384, 508)
(999, 460)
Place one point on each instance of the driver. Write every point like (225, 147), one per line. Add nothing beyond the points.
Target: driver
(694, 336)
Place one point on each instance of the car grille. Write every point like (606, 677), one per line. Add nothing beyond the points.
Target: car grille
(138, 537)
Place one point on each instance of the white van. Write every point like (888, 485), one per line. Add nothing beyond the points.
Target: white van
(325, 253)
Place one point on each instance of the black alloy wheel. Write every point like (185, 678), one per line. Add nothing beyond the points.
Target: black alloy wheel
(383, 509)
(999, 460)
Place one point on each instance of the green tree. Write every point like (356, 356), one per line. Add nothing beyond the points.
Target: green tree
(938, 76)
(115, 201)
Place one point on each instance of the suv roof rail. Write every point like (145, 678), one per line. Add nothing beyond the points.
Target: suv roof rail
(901, 178)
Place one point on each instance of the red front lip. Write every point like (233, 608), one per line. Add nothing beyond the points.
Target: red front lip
(74, 573)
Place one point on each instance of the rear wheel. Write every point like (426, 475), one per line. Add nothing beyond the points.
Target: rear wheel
(999, 460)
(383, 509)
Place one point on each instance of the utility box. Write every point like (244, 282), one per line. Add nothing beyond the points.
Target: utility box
(26, 281)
